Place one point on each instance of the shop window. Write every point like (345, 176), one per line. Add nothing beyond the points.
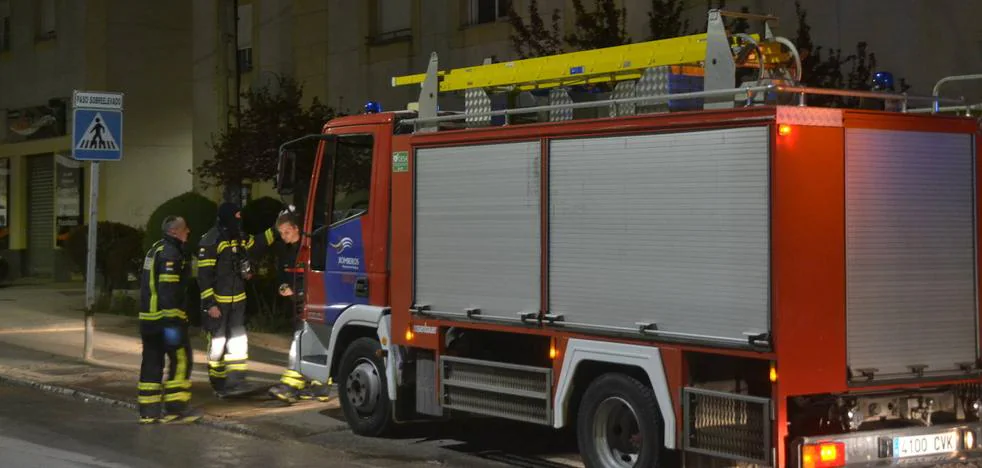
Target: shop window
(4, 204)
(68, 196)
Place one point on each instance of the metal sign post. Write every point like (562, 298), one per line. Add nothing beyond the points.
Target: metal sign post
(90, 260)
(97, 135)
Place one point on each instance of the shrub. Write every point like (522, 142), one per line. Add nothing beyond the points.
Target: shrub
(119, 252)
(198, 210)
(266, 310)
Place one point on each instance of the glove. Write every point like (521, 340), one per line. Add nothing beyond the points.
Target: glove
(208, 324)
(172, 336)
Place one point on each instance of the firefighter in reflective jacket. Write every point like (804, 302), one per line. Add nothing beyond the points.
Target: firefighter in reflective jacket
(294, 385)
(164, 329)
(223, 268)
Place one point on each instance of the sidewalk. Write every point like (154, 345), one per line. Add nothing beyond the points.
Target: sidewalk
(41, 343)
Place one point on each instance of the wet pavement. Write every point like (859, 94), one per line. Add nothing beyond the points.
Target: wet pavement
(40, 344)
(44, 430)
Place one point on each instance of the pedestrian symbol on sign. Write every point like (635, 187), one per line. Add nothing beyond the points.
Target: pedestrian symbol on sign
(97, 136)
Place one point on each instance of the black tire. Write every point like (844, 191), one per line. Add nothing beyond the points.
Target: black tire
(377, 421)
(619, 391)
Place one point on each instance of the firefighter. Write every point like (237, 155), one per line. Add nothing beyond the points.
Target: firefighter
(223, 268)
(294, 385)
(164, 329)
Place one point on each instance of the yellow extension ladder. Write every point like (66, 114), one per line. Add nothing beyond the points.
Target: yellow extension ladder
(634, 68)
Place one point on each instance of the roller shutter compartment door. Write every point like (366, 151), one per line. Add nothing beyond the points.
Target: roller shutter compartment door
(910, 251)
(668, 229)
(478, 228)
(41, 216)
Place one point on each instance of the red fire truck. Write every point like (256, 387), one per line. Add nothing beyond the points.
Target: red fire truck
(671, 246)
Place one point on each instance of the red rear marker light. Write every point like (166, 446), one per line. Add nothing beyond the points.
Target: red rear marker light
(823, 455)
(784, 129)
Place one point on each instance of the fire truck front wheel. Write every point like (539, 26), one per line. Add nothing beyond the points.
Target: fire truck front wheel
(362, 388)
(618, 424)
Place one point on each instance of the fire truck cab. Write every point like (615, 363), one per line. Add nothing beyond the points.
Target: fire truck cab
(684, 265)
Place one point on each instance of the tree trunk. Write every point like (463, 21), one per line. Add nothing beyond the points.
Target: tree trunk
(233, 194)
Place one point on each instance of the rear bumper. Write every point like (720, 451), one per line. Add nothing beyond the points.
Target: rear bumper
(877, 448)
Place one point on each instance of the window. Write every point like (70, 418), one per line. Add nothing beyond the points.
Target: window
(68, 196)
(243, 25)
(348, 176)
(393, 19)
(4, 25)
(4, 204)
(487, 11)
(352, 177)
(46, 19)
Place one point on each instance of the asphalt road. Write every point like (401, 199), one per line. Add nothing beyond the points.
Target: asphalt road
(51, 431)
(40, 429)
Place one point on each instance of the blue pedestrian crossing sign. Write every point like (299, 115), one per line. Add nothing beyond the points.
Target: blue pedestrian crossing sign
(97, 134)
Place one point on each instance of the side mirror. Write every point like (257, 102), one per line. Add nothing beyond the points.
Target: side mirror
(286, 172)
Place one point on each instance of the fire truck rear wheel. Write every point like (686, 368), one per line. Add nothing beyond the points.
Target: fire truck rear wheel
(618, 424)
(362, 388)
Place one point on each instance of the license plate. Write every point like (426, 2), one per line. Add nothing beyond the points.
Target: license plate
(928, 444)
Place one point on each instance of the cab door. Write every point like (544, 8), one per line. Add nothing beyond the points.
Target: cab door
(342, 224)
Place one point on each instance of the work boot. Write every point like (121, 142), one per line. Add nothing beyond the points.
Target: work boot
(316, 391)
(234, 388)
(185, 416)
(284, 393)
(216, 375)
(233, 384)
(149, 420)
(150, 402)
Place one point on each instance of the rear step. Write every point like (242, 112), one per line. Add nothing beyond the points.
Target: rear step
(510, 391)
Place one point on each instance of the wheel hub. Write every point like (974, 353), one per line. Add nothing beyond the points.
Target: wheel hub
(617, 433)
(363, 386)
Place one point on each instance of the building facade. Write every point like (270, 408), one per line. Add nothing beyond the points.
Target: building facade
(346, 52)
(48, 48)
(183, 63)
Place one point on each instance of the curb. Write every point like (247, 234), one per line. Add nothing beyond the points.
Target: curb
(86, 396)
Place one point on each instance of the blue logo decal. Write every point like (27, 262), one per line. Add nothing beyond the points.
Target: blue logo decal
(343, 244)
(345, 264)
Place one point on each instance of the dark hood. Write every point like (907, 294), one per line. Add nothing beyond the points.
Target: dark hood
(227, 223)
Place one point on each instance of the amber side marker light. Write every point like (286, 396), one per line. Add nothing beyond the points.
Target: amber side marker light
(553, 352)
(409, 334)
(823, 455)
(784, 129)
(773, 373)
